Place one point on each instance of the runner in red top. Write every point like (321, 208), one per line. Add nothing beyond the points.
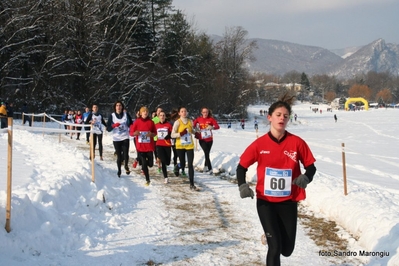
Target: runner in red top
(144, 130)
(206, 123)
(280, 184)
(163, 144)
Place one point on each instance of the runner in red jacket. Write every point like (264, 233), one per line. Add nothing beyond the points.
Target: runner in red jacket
(280, 183)
(163, 144)
(206, 123)
(144, 130)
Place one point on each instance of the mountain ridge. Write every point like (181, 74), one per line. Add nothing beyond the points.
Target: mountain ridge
(280, 57)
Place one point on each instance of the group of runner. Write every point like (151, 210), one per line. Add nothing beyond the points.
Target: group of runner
(156, 137)
(280, 183)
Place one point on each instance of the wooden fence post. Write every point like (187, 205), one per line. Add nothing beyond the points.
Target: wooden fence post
(9, 176)
(44, 121)
(59, 135)
(344, 169)
(92, 154)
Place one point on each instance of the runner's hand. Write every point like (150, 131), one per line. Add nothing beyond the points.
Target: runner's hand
(301, 181)
(184, 132)
(246, 191)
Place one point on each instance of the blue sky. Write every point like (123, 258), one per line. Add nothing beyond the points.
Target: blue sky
(330, 24)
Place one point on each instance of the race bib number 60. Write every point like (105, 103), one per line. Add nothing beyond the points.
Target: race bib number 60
(277, 182)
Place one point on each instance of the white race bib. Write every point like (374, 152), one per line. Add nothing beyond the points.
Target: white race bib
(277, 182)
(185, 139)
(98, 127)
(143, 138)
(206, 133)
(162, 133)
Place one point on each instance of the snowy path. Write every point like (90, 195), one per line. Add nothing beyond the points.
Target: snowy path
(59, 216)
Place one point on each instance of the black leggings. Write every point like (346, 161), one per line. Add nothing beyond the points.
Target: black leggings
(174, 155)
(122, 153)
(190, 159)
(98, 137)
(206, 147)
(164, 153)
(279, 221)
(147, 160)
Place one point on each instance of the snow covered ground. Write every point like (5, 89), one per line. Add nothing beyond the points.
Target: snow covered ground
(60, 217)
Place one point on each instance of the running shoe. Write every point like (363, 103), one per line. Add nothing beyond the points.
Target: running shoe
(176, 170)
(166, 180)
(147, 183)
(135, 163)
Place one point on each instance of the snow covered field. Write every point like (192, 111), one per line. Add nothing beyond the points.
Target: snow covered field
(60, 217)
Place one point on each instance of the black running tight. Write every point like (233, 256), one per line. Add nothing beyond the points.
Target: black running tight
(164, 153)
(279, 221)
(147, 160)
(206, 147)
(190, 159)
(98, 137)
(122, 153)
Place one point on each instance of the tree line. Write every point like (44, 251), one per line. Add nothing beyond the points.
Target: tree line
(381, 87)
(70, 54)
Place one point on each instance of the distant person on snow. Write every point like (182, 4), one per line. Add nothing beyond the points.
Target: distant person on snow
(27, 118)
(242, 123)
(280, 183)
(256, 124)
(335, 118)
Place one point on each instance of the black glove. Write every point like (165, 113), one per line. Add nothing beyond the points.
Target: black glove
(197, 135)
(301, 181)
(167, 137)
(246, 191)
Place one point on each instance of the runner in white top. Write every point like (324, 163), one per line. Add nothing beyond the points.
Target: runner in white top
(118, 123)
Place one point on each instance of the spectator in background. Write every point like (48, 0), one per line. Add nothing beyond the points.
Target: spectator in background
(71, 119)
(256, 124)
(64, 118)
(3, 115)
(25, 111)
(87, 129)
(78, 120)
(10, 110)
